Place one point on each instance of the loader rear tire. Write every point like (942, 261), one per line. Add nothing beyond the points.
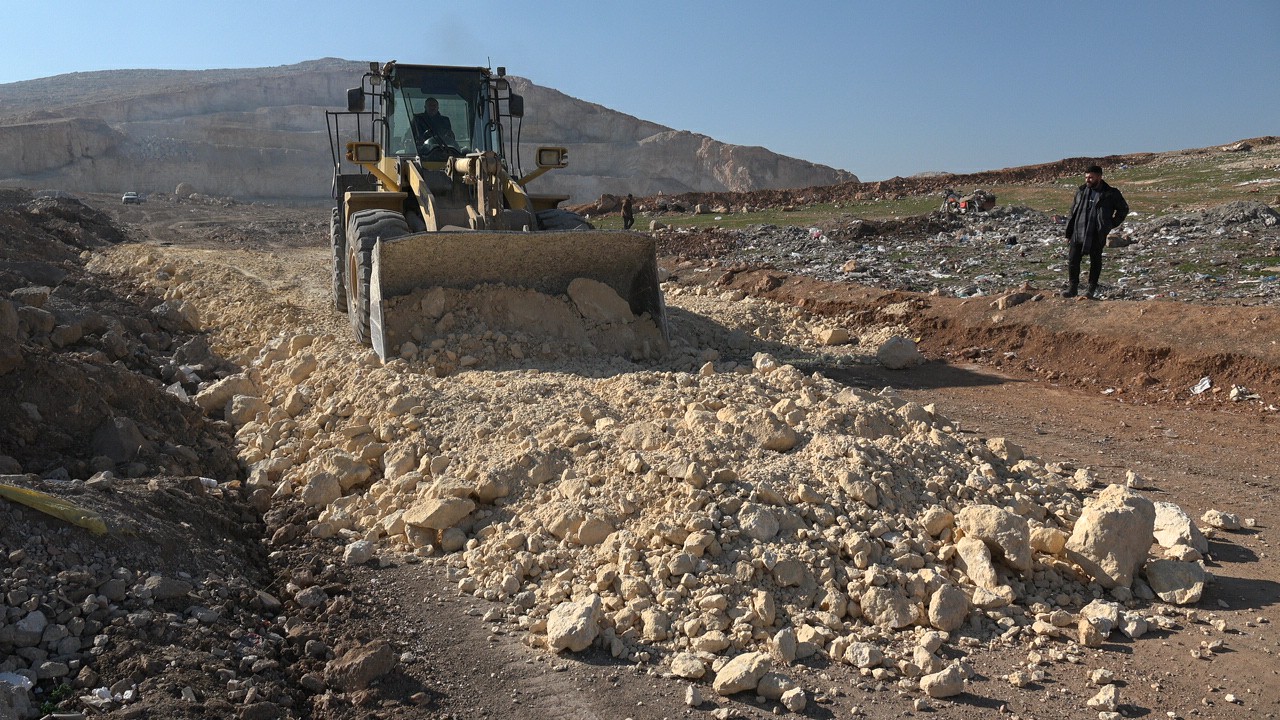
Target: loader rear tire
(338, 243)
(364, 231)
(559, 219)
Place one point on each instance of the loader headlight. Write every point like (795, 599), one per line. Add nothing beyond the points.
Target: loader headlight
(554, 157)
(364, 152)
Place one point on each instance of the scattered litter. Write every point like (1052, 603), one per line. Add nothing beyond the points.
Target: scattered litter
(1201, 386)
(1158, 253)
(16, 680)
(1240, 392)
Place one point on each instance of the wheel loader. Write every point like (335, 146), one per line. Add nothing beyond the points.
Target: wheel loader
(428, 192)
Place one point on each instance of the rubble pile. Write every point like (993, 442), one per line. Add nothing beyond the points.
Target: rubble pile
(591, 320)
(105, 620)
(722, 515)
(95, 377)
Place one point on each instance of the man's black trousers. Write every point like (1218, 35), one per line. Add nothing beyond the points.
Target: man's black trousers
(1095, 263)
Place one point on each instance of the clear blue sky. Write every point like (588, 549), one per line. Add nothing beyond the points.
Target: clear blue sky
(880, 89)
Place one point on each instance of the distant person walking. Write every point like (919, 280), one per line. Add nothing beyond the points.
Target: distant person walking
(628, 216)
(1097, 209)
(627, 213)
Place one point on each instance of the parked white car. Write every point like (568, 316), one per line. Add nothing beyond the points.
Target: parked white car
(131, 198)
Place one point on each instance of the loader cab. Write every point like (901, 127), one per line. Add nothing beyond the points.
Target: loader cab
(465, 96)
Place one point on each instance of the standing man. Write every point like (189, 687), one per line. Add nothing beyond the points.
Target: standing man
(628, 218)
(1097, 209)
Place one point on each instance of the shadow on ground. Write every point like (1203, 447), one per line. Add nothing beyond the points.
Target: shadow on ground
(923, 377)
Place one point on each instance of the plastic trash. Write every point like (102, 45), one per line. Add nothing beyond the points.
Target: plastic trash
(1201, 386)
(16, 680)
(1240, 392)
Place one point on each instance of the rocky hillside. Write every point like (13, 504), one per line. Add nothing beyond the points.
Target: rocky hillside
(260, 134)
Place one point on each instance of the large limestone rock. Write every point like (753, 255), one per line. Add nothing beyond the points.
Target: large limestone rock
(887, 607)
(758, 522)
(742, 673)
(1221, 520)
(599, 302)
(573, 626)
(946, 683)
(120, 439)
(1106, 701)
(863, 655)
(1112, 536)
(1048, 540)
(1175, 527)
(361, 666)
(688, 665)
(948, 608)
(1007, 534)
(899, 353)
(438, 513)
(1103, 615)
(937, 519)
(1180, 583)
(219, 394)
(774, 685)
(15, 696)
(974, 558)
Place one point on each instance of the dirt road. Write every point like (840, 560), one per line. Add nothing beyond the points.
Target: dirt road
(1099, 386)
(1200, 452)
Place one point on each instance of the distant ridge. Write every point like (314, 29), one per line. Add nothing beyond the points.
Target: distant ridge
(259, 133)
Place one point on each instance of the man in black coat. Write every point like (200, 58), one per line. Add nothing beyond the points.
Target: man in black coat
(628, 213)
(1097, 209)
(432, 125)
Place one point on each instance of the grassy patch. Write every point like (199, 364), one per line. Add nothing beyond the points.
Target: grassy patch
(1261, 266)
(1198, 267)
(1175, 184)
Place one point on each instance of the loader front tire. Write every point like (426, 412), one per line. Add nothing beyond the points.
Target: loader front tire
(338, 244)
(364, 231)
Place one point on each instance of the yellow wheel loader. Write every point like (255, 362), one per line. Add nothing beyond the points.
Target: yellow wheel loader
(428, 193)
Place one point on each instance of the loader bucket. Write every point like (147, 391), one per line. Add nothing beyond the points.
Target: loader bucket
(546, 262)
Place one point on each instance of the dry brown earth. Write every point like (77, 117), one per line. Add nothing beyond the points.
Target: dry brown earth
(1035, 374)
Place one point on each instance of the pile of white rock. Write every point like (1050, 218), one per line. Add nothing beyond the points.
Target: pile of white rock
(504, 325)
(723, 522)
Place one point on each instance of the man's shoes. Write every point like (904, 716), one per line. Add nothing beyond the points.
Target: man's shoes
(1069, 292)
(1092, 292)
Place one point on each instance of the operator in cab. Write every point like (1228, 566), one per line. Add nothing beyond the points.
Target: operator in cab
(431, 125)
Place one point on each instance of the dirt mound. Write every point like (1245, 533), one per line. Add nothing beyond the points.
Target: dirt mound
(677, 514)
(1153, 352)
(696, 510)
(95, 374)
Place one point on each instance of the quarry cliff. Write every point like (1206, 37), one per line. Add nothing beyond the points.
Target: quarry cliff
(259, 134)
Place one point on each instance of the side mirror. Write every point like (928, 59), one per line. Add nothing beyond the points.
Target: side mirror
(355, 100)
(515, 105)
